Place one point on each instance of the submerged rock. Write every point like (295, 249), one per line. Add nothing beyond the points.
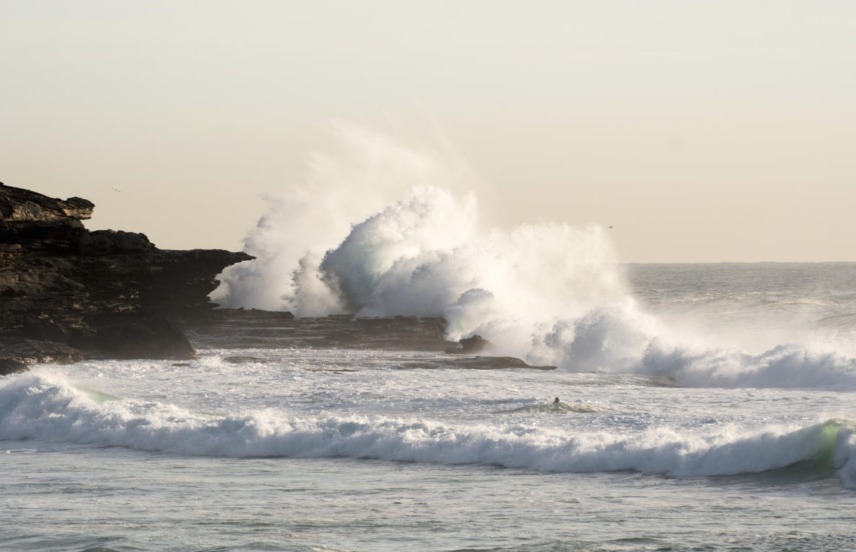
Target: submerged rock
(247, 360)
(472, 363)
(250, 328)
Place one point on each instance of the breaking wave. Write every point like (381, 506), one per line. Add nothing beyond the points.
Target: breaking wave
(377, 229)
(44, 407)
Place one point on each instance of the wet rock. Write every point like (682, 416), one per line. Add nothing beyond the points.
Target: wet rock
(250, 328)
(155, 338)
(11, 366)
(44, 330)
(471, 345)
(33, 351)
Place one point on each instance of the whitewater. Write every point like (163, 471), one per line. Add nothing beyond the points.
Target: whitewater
(701, 407)
(344, 450)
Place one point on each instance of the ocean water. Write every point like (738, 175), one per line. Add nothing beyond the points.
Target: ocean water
(715, 412)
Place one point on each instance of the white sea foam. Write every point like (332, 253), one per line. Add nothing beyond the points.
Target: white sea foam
(844, 457)
(380, 230)
(45, 407)
(364, 173)
(625, 341)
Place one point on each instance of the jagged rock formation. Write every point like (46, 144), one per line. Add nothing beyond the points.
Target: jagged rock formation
(66, 292)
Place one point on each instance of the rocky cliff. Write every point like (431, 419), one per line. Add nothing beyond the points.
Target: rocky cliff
(67, 293)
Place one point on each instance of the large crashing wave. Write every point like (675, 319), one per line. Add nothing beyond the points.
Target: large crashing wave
(45, 407)
(381, 230)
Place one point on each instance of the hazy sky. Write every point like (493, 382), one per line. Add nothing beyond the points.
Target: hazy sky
(702, 130)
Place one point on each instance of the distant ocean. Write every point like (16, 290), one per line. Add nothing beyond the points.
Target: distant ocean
(733, 429)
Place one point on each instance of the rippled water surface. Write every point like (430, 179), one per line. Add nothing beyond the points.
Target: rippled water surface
(350, 450)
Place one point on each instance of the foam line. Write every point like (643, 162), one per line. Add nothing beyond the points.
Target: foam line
(45, 407)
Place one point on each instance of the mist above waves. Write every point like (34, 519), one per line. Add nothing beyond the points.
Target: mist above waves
(375, 228)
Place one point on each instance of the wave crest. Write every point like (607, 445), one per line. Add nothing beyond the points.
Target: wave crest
(378, 229)
(44, 407)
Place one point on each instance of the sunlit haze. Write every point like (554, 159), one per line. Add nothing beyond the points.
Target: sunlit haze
(700, 131)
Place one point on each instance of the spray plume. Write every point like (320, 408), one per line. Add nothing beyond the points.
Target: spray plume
(377, 229)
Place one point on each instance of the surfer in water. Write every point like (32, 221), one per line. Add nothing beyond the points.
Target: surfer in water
(556, 401)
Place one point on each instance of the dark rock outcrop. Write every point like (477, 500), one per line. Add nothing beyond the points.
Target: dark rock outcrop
(9, 366)
(471, 346)
(67, 293)
(257, 329)
(239, 328)
(32, 351)
(155, 338)
(110, 242)
(100, 293)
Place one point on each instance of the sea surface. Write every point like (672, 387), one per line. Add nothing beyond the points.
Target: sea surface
(738, 438)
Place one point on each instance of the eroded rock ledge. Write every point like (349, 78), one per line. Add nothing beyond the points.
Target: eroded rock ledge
(257, 329)
(67, 293)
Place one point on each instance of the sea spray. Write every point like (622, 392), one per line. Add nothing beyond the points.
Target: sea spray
(361, 174)
(378, 229)
(382, 230)
(844, 456)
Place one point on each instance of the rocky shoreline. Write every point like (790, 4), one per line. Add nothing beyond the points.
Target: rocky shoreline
(68, 294)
